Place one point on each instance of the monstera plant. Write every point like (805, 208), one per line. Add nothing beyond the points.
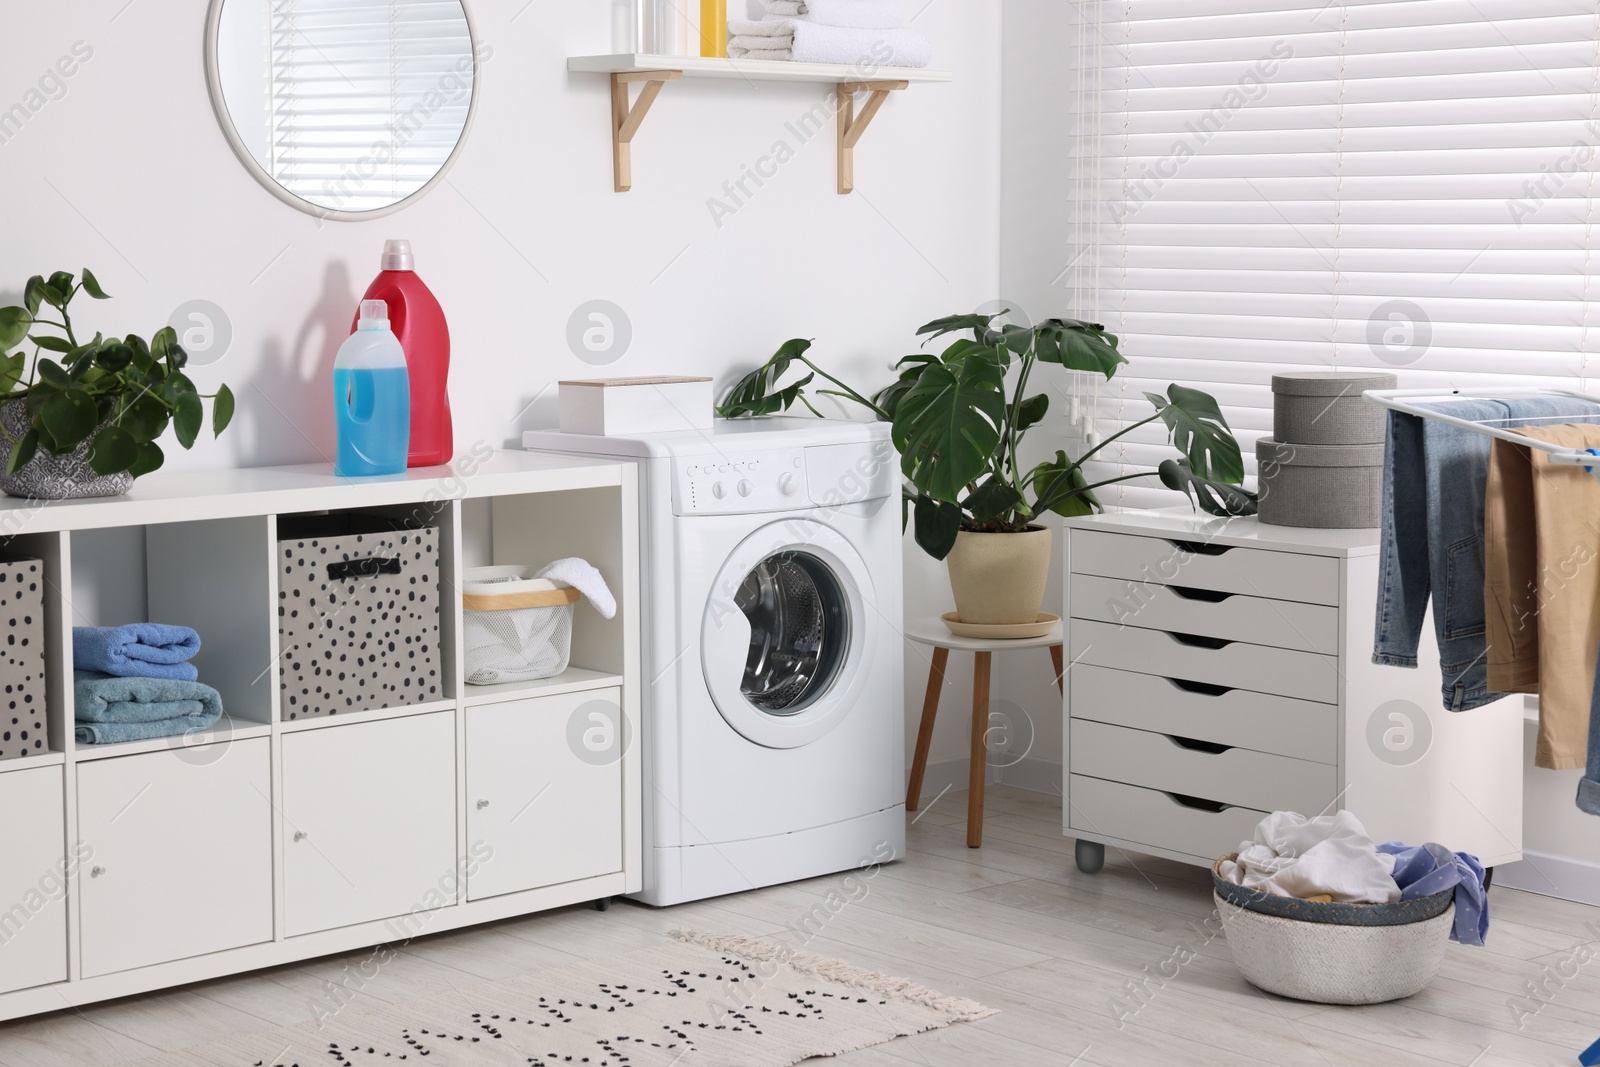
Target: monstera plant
(81, 417)
(959, 431)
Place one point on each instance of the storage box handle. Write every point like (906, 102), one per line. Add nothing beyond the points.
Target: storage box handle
(371, 567)
(1199, 548)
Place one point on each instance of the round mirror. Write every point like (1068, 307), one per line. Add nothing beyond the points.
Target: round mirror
(345, 109)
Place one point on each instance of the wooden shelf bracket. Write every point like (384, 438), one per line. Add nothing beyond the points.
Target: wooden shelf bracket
(852, 125)
(626, 118)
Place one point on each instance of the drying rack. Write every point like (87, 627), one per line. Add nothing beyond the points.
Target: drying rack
(1410, 401)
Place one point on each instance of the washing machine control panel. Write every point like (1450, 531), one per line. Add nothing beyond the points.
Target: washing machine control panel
(740, 483)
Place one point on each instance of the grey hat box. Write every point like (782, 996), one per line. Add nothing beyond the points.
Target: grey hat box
(1320, 486)
(1327, 408)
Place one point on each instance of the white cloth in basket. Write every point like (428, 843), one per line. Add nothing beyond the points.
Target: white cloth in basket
(586, 579)
(1293, 856)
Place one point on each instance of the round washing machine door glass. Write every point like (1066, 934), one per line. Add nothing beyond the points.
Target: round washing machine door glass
(785, 633)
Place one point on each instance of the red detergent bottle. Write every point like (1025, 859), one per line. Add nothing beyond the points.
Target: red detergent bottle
(417, 320)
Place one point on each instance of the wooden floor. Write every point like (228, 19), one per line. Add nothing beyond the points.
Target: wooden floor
(1014, 925)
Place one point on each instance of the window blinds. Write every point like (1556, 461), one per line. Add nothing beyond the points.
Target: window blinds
(367, 100)
(1265, 185)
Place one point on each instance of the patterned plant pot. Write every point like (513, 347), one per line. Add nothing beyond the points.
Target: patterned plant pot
(47, 477)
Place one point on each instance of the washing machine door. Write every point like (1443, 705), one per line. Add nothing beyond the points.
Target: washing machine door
(786, 633)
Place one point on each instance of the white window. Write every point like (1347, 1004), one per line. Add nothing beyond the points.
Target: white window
(1276, 184)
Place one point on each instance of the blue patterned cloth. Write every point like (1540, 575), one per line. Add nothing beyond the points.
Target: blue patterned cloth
(1423, 870)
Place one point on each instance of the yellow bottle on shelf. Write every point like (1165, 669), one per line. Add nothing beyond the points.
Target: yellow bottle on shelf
(714, 28)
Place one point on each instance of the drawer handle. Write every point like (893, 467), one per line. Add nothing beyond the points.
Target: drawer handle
(362, 568)
(1203, 688)
(300, 835)
(1210, 596)
(1199, 548)
(1197, 804)
(1196, 641)
(482, 804)
(95, 872)
(1210, 747)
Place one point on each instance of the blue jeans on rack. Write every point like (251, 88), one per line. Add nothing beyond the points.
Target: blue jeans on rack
(1431, 545)
(1589, 787)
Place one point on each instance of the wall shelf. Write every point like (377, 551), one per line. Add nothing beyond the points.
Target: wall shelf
(225, 729)
(654, 71)
(571, 680)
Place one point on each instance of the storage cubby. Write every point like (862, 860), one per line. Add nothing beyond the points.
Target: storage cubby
(363, 625)
(211, 575)
(533, 530)
(35, 704)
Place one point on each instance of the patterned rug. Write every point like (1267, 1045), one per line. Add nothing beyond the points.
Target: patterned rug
(702, 1001)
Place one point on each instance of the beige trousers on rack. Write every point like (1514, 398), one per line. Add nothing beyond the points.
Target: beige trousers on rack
(1541, 538)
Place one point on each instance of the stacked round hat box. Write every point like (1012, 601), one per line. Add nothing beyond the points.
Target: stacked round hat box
(1323, 465)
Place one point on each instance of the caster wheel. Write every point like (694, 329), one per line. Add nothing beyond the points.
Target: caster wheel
(1090, 856)
(603, 904)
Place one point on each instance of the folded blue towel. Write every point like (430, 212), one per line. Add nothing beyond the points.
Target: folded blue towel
(137, 650)
(109, 709)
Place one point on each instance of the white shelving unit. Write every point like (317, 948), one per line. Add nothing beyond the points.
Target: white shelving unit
(264, 840)
(653, 71)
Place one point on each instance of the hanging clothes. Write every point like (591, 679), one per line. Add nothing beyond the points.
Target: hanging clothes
(1542, 593)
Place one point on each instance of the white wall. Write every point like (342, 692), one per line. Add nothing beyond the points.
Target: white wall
(127, 173)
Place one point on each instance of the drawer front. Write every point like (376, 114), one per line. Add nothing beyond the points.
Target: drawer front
(1236, 776)
(1184, 610)
(33, 879)
(369, 821)
(1198, 565)
(181, 860)
(542, 808)
(1303, 729)
(1234, 665)
(1150, 817)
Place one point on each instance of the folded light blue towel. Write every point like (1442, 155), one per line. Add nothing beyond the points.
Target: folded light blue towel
(110, 709)
(137, 650)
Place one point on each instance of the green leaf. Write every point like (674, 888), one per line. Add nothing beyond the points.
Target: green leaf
(113, 451)
(23, 452)
(1030, 411)
(163, 339)
(69, 416)
(33, 293)
(52, 344)
(14, 324)
(177, 355)
(114, 357)
(91, 285)
(145, 418)
(52, 373)
(936, 523)
(1081, 346)
(978, 324)
(143, 359)
(1212, 497)
(147, 457)
(888, 398)
(187, 419)
(11, 371)
(1201, 433)
(221, 411)
(757, 393)
(1060, 486)
(63, 282)
(947, 426)
(995, 498)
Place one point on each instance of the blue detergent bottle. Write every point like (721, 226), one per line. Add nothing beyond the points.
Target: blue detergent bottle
(371, 398)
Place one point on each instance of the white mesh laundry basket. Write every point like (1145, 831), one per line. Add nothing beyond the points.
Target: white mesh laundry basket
(515, 628)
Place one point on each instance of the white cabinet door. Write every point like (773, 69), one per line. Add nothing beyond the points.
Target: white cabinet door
(369, 821)
(182, 854)
(33, 886)
(544, 791)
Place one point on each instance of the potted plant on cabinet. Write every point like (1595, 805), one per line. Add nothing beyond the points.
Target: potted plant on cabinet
(972, 501)
(81, 418)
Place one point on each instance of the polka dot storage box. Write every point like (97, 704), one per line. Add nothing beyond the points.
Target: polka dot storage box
(22, 725)
(358, 614)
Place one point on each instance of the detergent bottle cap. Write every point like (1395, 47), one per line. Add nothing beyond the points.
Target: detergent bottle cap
(397, 256)
(374, 315)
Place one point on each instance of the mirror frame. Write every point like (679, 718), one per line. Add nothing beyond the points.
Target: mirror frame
(257, 171)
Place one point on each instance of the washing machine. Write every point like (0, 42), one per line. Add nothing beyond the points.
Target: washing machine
(773, 708)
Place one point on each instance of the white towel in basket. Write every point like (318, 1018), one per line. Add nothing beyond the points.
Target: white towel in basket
(582, 576)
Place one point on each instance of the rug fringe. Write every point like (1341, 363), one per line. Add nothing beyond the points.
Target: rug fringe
(961, 1009)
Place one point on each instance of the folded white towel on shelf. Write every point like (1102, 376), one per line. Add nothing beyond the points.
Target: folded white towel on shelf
(771, 27)
(785, 7)
(754, 47)
(815, 43)
(858, 14)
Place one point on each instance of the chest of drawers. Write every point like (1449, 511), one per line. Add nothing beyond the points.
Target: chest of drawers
(1221, 669)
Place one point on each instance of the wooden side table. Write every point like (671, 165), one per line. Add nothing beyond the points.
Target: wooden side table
(933, 632)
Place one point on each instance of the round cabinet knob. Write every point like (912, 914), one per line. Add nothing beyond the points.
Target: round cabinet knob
(745, 488)
(788, 485)
(482, 804)
(719, 490)
(95, 872)
(300, 835)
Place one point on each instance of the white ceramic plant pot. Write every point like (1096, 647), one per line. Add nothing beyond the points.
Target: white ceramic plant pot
(999, 578)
